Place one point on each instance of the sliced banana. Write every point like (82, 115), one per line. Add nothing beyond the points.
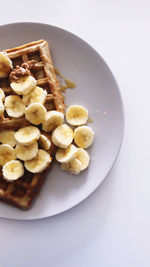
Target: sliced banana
(14, 106)
(26, 152)
(52, 120)
(83, 136)
(39, 163)
(35, 113)
(83, 156)
(7, 153)
(62, 136)
(13, 170)
(67, 154)
(1, 108)
(76, 115)
(36, 95)
(2, 95)
(74, 166)
(44, 142)
(27, 135)
(24, 85)
(5, 65)
(8, 137)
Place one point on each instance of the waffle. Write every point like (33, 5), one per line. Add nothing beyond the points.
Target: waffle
(22, 192)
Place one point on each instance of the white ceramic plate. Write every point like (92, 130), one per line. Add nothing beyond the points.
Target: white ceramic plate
(96, 90)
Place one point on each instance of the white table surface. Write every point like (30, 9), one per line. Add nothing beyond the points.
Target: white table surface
(112, 227)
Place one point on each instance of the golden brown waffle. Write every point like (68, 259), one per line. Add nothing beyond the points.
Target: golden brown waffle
(22, 192)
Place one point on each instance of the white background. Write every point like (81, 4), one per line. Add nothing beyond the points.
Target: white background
(112, 227)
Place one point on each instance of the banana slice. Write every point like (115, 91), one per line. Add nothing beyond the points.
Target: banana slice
(1, 108)
(36, 95)
(7, 153)
(2, 95)
(13, 170)
(24, 85)
(67, 154)
(8, 137)
(76, 115)
(62, 136)
(35, 113)
(53, 119)
(26, 152)
(5, 65)
(44, 142)
(83, 136)
(14, 106)
(83, 156)
(39, 163)
(27, 135)
(74, 166)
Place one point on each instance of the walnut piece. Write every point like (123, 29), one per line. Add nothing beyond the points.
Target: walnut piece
(21, 71)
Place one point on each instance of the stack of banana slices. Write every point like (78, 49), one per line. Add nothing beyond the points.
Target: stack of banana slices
(5, 68)
(27, 147)
(72, 142)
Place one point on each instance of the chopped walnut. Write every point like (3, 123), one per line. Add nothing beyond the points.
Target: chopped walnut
(29, 65)
(21, 71)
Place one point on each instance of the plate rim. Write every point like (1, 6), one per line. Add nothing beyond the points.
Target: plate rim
(122, 120)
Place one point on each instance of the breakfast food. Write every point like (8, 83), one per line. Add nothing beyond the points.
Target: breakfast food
(7, 153)
(26, 152)
(84, 158)
(76, 115)
(27, 76)
(8, 137)
(14, 106)
(1, 108)
(5, 65)
(83, 136)
(44, 142)
(39, 163)
(23, 86)
(2, 95)
(74, 159)
(27, 135)
(74, 166)
(37, 95)
(13, 170)
(32, 127)
(62, 136)
(67, 154)
(35, 113)
(52, 120)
